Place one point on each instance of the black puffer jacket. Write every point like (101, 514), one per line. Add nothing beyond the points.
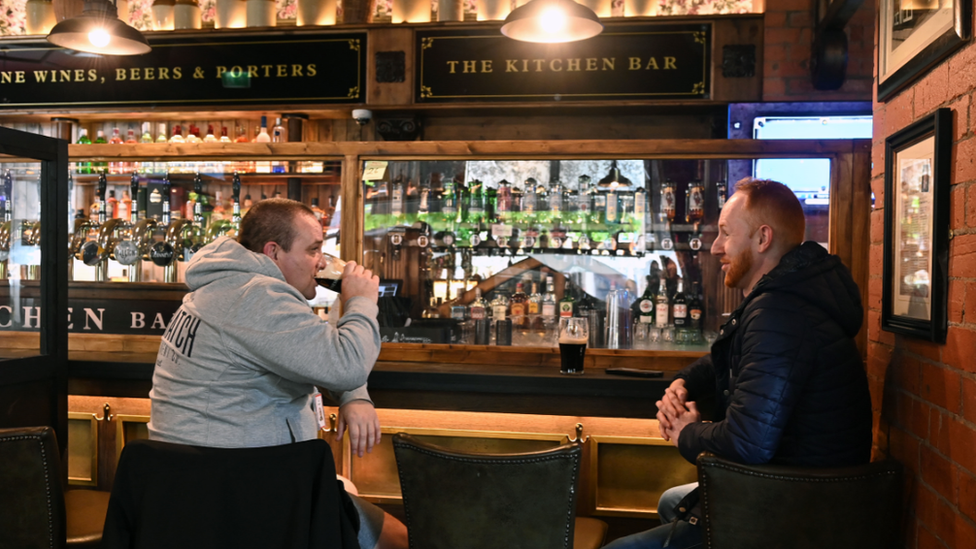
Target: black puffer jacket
(787, 377)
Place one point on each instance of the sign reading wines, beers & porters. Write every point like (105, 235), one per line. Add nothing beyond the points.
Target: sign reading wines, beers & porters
(636, 62)
(190, 69)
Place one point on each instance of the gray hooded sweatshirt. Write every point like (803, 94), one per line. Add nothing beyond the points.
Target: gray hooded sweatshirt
(241, 359)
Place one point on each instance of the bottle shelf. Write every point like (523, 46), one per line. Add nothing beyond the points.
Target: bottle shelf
(218, 178)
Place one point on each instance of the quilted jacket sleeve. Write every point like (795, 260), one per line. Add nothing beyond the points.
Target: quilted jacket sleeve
(699, 378)
(779, 345)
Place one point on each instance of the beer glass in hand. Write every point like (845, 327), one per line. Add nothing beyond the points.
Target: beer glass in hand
(573, 334)
(330, 277)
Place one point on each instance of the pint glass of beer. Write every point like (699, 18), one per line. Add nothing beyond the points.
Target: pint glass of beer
(330, 277)
(573, 334)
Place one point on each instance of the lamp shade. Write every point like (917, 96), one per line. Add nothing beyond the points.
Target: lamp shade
(552, 21)
(614, 178)
(99, 30)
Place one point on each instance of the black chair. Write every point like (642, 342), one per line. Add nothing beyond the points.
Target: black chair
(36, 511)
(750, 506)
(457, 500)
(173, 495)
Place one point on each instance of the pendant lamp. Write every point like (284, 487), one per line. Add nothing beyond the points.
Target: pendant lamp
(614, 178)
(99, 30)
(551, 22)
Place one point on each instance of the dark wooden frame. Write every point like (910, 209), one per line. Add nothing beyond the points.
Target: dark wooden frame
(937, 127)
(936, 48)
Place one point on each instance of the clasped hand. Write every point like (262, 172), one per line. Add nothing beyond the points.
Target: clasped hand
(675, 411)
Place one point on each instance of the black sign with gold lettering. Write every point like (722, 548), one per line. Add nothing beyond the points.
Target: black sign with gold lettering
(190, 69)
(645, 61)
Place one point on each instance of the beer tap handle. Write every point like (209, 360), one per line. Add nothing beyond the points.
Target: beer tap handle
(102, 186)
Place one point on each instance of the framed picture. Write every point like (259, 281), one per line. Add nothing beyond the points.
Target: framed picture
(916, 228)
(914, 35)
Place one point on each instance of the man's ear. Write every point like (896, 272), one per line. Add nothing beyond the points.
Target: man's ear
(765, 238)
(271, 250)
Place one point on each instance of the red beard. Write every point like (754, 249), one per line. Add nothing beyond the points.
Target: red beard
(739, 266)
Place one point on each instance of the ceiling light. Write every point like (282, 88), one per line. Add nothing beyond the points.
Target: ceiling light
(99, 30)
(552, 21)
(614, 178)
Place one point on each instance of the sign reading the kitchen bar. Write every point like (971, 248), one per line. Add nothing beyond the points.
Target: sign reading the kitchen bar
(197, 69)
(96, 316)
(648, 61)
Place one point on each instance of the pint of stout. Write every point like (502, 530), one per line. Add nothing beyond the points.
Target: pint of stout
(573, 335)
(330, 277)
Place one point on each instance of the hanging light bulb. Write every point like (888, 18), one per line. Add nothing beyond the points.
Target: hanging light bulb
(551, 22)
(99, 30)
(614, 178)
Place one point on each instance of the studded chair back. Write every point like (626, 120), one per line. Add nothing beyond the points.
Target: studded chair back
(750, 506)
(457, 500)
(31, 495)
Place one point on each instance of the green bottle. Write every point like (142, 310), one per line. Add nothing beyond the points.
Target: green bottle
(83, 139)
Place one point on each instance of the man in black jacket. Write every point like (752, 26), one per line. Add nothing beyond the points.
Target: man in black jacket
(785, 373)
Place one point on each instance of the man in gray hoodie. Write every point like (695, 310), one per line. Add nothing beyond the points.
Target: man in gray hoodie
(244, 357)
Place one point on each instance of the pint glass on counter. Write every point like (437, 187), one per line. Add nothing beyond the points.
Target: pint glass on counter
(573, 334)
(330, 277)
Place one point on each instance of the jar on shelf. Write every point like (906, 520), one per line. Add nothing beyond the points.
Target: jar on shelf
(39, 16)
(493, 10)
(316, 12)
(602, 8)
(639, 8)
(261, 13)
(186, 15)
(411, 11)
(450, 10)
(230, 14)
(162, 14)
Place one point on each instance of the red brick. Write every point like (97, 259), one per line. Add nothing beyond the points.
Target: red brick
(957, 207)
(960, 348)
(927, 540)
(773, 88)
(877, 226)
(962, 266)
(962, 252)
(941, 386)
(967, 493)
(875, 291)
(962, 445)
(969, 400)
(927, 349)
(957, 299)
(774, 19)
(969, 305)
(960, 126)
(875, 333)
(898, 112)
(962, 67)
(879, 357)
(935, 514)
(932, 90)
(939, 433)
(916, 416)
(787, 69)
(774, 53)
(876, 258)
(964, 163)
(876, 388)
(877, 169)
(792, 5)
(782, 35)
(800, 19)
(965, 533)
(905, 449)
(906, 373)
(970, 206)
(800, 53)
(937, 473)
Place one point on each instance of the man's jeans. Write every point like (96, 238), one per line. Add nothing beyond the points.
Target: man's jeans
(683, 536)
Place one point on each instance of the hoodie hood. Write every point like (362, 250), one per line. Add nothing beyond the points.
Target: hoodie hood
(225, 258)
(812, 274)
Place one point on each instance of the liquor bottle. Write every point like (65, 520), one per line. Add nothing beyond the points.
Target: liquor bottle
(476, 202)
(177, 135)
(224, 138)
(100, 167)
(83, 139)
(504, 204)
(534, 305)
(236, 202)
(694, 202)
(518, 303)
(541, 195)
(125, 206)
(112, 206)
(646, 303)
(241, 135)
(599, 205)
(612, 204)
(460, 201)
(218, 212)
(191, 135)
(146, 133)
(478, 309)
(584, 199)
(130, 136)
(518, 196)
(555, 198)
(499, 307)
(491, 205)
(668, 201)
(567, 305)
(679, 310)
(695, 313)
(199, 202)
(278, 132)
(210, 137)
(721, 189)
(116, 138)
(529, 196)
(262, 136)
(662, 308)
(423, 203)
(640, 208)
(195, 132)
(448, 206)
(161, 133)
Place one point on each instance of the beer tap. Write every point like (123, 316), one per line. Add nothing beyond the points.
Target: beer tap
(668, 212)
(100, 236)
(163, 252)
(6, 216)
(191, 233)
(126, 250)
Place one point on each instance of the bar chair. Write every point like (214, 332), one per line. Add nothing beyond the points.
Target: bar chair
(174, 495)
(37, 511)
(749, 506)
(458, 500)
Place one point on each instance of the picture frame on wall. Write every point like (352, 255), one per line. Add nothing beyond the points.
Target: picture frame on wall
(914, 35)
(916, 228)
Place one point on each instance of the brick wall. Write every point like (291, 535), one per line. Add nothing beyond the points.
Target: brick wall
(927, 416)
(789, 29)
